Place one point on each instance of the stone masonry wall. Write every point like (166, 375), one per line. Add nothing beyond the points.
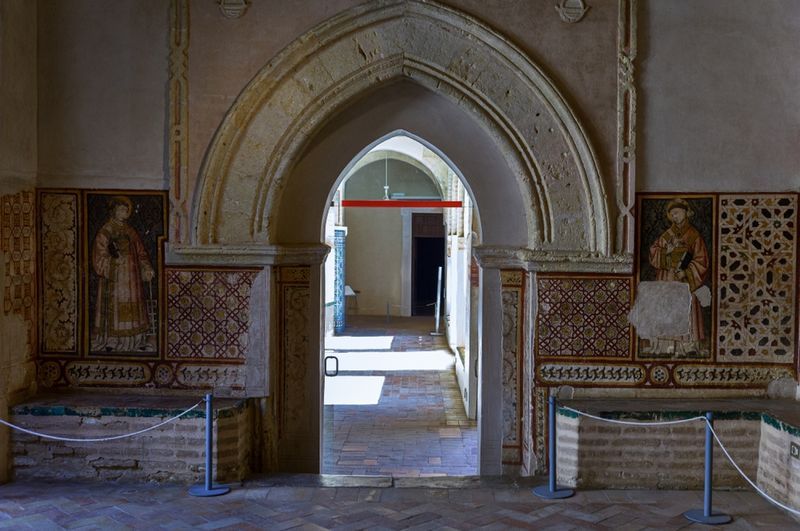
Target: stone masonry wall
(592, 454)
(779, 470)
(175, 452)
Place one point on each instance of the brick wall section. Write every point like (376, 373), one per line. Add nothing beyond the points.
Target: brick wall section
(174, 453)
(593, 454)
(778, 471)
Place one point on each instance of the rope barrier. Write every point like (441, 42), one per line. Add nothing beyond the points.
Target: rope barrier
(714, 433)
(634, 423)
(99, 439)
(752, 484)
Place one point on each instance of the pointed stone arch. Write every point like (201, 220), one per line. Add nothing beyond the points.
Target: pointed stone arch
(250, 161)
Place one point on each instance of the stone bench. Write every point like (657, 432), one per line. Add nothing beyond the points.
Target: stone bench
(174, 452)
(759, 434)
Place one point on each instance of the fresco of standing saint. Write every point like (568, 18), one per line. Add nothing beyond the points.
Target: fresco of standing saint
(674, 248)
(121, 320)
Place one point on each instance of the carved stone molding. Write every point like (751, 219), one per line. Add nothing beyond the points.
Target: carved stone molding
(247, 255)
(495, 257)
(291, 97)
(178, 120)
(626, 126)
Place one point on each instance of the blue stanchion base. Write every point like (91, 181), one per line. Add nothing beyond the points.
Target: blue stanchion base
(698, 515)
(203, 492)
(558, 494)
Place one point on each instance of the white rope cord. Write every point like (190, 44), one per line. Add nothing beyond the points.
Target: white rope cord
(752, 484)
(633, 423)
(100, 439)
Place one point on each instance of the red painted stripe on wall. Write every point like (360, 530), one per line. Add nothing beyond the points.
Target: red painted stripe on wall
(399, 203)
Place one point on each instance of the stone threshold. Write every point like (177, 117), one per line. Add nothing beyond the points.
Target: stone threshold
(438, 482)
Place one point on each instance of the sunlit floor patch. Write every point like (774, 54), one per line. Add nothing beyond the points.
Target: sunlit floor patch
(358, 342)
(421, 360)
(353, 390)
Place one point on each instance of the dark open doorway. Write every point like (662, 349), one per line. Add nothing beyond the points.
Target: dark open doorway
(427, 256)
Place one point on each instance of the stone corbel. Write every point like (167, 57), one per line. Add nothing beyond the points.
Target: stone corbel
(247, 256)
(500, 257)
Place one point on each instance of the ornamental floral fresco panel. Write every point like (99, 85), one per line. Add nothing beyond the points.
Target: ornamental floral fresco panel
(583, 317)
(757, 278)
(676, 243)
(208, 314)
(124, 231)
(58, 229)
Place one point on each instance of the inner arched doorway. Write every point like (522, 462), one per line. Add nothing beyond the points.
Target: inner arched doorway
(268, 174)
(402, 399)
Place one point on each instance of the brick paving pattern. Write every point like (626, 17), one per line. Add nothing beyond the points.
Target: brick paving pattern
(287, 504)
(417, 429)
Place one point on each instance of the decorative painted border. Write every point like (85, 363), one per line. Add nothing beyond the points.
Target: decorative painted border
(18, 242)
(293, 284)
(514, 281)
(41, 267)
(626, 125)
(93, 373)
(178, 137)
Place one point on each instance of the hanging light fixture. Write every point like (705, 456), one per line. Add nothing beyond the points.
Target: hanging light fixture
(385, 176)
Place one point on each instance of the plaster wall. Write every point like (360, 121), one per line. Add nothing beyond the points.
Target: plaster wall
(17, 95)
(581, 58)
(719, 82)
(102, 70)
(374, 257)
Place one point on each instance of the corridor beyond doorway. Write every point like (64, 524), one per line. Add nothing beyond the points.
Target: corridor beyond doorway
(399, 411)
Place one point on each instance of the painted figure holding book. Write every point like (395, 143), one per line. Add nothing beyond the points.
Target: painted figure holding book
(680, 254)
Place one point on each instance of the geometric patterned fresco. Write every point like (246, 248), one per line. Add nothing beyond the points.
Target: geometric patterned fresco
(208, 314)
(584, 317)
(17, 241)
(757, 279)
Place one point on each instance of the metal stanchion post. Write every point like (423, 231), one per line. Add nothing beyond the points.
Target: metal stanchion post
(209, 489)
(704, 515)
(551, 491)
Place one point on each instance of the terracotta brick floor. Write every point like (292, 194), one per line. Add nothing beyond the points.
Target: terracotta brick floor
(317, 502)
(418, 426)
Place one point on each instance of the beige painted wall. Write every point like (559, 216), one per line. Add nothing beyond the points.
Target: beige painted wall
(17, 95)
(719, 82)
(103, 93)
(374, 256)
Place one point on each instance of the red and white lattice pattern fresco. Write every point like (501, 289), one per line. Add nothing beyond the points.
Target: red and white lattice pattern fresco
(208, 314)
(584, 317)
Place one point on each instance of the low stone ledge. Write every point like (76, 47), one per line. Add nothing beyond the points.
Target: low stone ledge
(174, 452)
(759, 434)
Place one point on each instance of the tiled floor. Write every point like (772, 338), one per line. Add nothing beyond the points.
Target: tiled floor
(418, 427)
(314, 502)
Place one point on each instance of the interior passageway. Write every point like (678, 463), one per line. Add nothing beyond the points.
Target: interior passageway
(395, 408)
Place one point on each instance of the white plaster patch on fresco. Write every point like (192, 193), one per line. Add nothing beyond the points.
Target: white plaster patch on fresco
(662, 309)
